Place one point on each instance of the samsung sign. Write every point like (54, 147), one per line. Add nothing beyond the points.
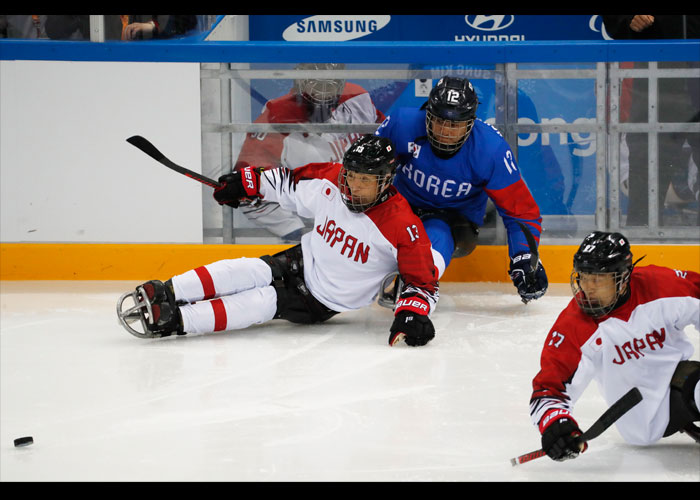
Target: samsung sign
(334, 28)
(452, 28)
(564, 164)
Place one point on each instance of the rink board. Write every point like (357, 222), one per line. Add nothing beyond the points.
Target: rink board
(106, 261)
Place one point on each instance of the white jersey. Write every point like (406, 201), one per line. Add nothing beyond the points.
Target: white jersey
(296, 149)
(347, 254)
(300, 148)
(639, 345)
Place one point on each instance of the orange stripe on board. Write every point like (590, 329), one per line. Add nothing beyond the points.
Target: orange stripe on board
(142, 262)
(113, 261)
(490, 263)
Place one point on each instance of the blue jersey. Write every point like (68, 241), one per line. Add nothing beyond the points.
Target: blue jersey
(484, 167)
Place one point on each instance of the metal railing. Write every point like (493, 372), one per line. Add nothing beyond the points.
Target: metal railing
(606, 77)
(226, 67)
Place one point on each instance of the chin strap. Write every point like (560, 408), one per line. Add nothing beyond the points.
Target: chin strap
(635, 262)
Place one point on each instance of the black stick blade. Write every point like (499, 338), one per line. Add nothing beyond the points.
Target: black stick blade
(612, 414)
(145, 145)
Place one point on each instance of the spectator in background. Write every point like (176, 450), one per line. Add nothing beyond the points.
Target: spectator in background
(69, 27)
(132, 27)
(311, 100)
(678, 101)
(22, 26)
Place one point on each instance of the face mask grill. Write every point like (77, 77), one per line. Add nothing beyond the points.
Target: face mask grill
(360, 204)
(321, 92)
(590, 304)
(446, 136)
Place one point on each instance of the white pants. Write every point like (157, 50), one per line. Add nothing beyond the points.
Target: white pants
(226, 295)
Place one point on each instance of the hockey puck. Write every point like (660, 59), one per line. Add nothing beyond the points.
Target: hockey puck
(24, 441)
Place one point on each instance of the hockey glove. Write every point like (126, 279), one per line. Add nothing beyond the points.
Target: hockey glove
(531, 283)
(240, 185)
(411, 322)
(560, 438)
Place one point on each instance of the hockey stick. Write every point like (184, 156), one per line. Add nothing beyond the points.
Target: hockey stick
(534, 254)
(148, 148)
(619, 408)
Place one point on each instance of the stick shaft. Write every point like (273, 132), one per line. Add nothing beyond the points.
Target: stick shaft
(619, 408)
(527, 457)
(145, 145)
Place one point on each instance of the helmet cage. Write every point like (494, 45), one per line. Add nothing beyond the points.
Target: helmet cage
(602, 253)
(453, 101)
(372, 156)
(443, 142)
(323, 93)
(591, 306)
(355, 204)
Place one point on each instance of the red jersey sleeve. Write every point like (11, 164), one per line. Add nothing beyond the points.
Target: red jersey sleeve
(403, 228)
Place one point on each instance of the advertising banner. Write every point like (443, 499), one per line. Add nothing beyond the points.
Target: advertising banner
(457, 28)
(559, 168)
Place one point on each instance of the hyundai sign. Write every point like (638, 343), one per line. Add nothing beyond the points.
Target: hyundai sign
(456, 28)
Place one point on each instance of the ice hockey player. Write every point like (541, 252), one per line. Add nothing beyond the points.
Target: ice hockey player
(363, 230)
(624, 328)
(311, 100)
(451, 163)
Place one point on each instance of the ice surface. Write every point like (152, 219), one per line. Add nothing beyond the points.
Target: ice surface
(288, 403)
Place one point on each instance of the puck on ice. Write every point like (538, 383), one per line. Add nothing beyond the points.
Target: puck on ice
(24, 441)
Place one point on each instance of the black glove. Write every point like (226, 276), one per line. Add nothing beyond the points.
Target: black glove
(238, 186)
(416, 329)
(560, 440)
(531, 285)
(411, 321)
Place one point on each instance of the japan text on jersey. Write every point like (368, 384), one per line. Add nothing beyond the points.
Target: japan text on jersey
(347, 254)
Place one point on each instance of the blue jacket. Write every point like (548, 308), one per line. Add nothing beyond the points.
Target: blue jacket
(484, 167)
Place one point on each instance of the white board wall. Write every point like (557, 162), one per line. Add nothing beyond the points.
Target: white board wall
(67, 173)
